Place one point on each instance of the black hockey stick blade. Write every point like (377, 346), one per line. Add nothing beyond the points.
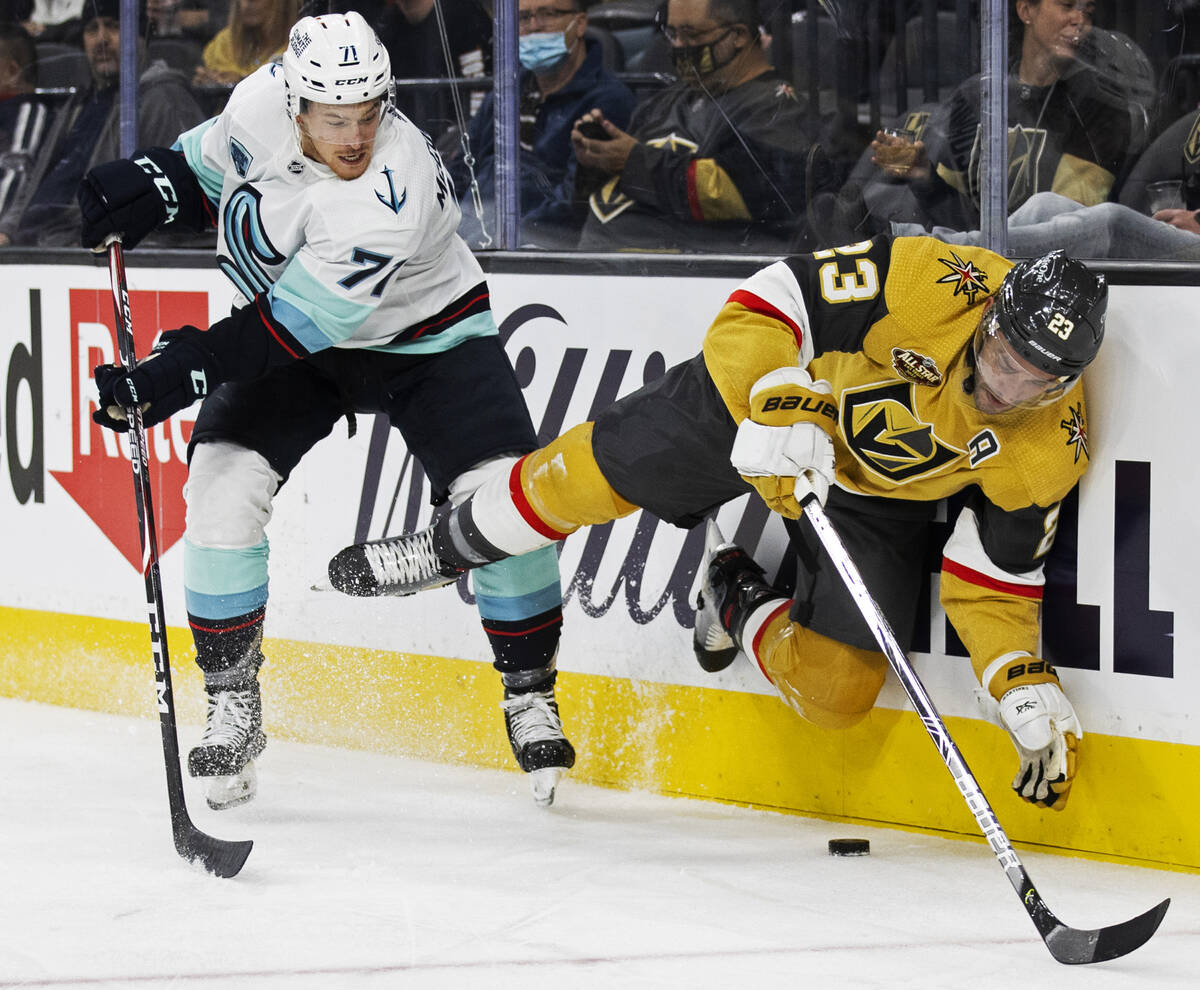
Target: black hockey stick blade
(1075, 946)
(220, 857)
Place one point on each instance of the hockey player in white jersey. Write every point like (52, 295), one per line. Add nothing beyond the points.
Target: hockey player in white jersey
(336, 222)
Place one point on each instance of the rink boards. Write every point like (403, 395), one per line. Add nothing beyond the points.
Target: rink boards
(412, 675)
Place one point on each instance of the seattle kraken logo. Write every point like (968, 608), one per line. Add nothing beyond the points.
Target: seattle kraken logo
(240, 157)
(251, 252)
(390, 200)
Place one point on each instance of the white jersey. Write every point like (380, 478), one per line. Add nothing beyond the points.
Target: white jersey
(369, 262)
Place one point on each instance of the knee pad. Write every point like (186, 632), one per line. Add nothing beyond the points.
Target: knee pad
(829, 683)
(565, 486)
(228, 494)
(467, 483)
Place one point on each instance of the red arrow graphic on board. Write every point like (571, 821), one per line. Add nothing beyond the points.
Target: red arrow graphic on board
(101, 480)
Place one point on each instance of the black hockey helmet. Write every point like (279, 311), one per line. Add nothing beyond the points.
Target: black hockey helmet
(1051, 311)
(1043, 326)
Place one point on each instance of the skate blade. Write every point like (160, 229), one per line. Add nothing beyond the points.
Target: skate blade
(322, 584)
(543, 783)
(229, 791)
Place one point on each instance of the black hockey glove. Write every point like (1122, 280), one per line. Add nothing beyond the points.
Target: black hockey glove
(127, 197)
(173, 376)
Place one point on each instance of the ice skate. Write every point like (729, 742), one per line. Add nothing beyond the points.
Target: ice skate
(232, 738)
(535, 733)
(729, 577)
(402, 565)
(230, 791)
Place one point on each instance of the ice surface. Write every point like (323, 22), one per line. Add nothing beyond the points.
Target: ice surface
(375, 871)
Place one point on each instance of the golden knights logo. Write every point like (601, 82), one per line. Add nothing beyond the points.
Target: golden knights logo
(1191, 147)
(967, 279)
(1026, 147)
(882, 430)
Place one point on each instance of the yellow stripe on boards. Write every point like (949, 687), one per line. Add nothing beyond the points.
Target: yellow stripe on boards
(1133, 800)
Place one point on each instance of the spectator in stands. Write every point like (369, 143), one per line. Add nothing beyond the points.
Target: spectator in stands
(409, 31)
(24, 119)
(720, 161)
(1173, 155)
(1067, 134)
(256, 32)
(195, 20)
(55, 20)
(562, 78)
(87, 131)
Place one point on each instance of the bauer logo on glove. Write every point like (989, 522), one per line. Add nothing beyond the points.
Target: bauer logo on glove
(802, 403)
(784, 449)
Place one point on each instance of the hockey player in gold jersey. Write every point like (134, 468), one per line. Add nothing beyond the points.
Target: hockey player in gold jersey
(883, 377)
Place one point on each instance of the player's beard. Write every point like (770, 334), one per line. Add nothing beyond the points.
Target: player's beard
(345, 161)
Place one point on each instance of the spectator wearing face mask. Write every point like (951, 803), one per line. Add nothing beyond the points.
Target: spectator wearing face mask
(720, 161)
(562, 77)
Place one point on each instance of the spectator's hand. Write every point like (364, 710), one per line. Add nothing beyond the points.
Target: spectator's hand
(609, 154)
(33, 28)
(1183, 219)
(900, 158)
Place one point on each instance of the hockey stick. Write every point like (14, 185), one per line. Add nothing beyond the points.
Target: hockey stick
(1068, 945)
(219, 856)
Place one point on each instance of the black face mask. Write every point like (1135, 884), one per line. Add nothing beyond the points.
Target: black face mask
(699, 60)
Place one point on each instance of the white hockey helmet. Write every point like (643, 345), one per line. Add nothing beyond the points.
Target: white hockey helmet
(336, 59)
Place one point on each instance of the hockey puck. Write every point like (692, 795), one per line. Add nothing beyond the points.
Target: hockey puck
(849, 847)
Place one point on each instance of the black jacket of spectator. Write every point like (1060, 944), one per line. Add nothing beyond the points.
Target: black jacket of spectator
(726, 173)
(1065, 138)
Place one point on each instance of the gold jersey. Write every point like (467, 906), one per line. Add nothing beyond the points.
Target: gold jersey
(889, 323)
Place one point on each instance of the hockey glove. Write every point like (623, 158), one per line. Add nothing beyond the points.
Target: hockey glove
(784, 448)
(173, 376)
(1042, 724)
(127, 197)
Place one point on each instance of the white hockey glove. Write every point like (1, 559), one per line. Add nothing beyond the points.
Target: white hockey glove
(1044, 730)
(784, 448)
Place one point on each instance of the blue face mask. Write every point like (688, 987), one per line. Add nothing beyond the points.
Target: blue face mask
(542, 51)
